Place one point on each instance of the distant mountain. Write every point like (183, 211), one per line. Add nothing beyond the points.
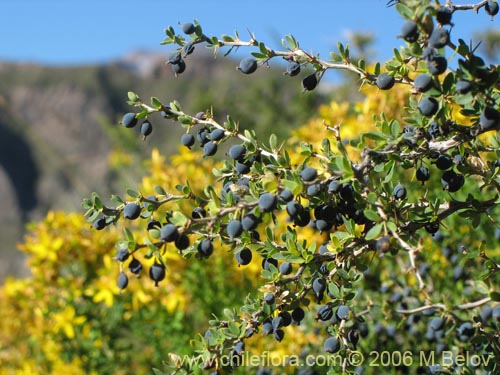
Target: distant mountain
(59, 126)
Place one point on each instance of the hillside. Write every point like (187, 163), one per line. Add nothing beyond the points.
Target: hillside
(59, 127)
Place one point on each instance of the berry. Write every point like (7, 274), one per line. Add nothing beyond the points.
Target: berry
(343, 312)
(313, 190)
(439, 38)
(174, 58)
(383, 244)
(217, 134)
(319, 287)
(308, 174)
(303, 218)
(122, 281)
(278, 335)
(297, 315)
(248, 65)
(331, 345)
(187, 49)
(188, 28)
(135, 266)
(443, 15)
(486, 313)
(122, 255)
(325, 313)
(100, 223)
(334, 187)
(437, 64)
(444, 162)
(234, 229)
(489, 119)
(267, 327)
(131, 211)
(385, 81)
(323, 225)
(202, 136)
(409, 31)
(285, 268)
(266, 263)
(237, 152)
(292, 69)
(452, 181)
(250, 222)
(157, 272)
(399, 192)
(242, 168)
(209, 149)
(353, 336)
(178, 68)
(286, 195)
(182, 242)
(436, 323)
(146, 128)
(495, 314)
(491, 8)
(294, 209)
(465, 331)
(129, 120)
(310, 82)
(463, 86)
(432, 227)
(198, 213)
(458, 159)
(169, 233)
(422, 174)
(423, 83)
(187, 140)
(267, 202)
(286, 318)
(243, 257)
(434, 131)
(206, 248)
(428, 106)
(269, 298)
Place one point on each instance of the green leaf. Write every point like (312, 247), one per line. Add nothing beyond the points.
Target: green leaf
(291, 42)
(117, 200)
(133, 97)
(128, 234)
(392, 226)
(404, 11)
(371, 215)
(227, 38)
(495, 296)
(185, 120)
(86, 204)
(389, 170)
(160, 190)
(374, 232)
(132, 193)
(481, 287)
(93, 214)
(263, 49)
(155, 102)
(334, 290)
(273, 141)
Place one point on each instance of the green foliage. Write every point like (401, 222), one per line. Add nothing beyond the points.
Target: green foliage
(393, 208)
(376, 240)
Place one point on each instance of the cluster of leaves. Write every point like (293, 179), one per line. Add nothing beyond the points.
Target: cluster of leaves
(343, 226)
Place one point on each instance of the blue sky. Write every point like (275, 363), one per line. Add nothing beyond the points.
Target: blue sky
(82, 32)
